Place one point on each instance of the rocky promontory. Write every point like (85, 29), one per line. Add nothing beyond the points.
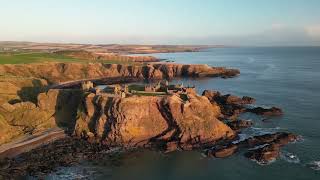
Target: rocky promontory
(151, 120)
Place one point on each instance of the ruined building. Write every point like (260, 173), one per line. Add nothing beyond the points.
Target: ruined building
(86, 85)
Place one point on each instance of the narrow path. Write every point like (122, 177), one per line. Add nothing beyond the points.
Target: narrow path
(30, 142)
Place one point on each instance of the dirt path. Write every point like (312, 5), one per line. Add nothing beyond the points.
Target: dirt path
(30, 142)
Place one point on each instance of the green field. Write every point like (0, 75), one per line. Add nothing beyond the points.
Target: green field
(144, 93)
(34, 57)
(136, 87)
(39, 57)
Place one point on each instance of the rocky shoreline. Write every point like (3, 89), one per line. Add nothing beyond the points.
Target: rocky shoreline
(45, 159)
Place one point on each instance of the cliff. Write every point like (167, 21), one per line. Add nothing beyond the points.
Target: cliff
(186, 122)
(55, 108)
(151, 121)
(62, 72)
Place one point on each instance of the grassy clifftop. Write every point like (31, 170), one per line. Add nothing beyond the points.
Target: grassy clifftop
(70, 56)
(34, 57)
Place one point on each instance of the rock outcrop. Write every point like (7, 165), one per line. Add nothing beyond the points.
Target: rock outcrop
(22, 118)
(55, 108)
(152, 121)
(232, 106)
(239, 124)
(62, 72)
(263, 149)
(266, 148)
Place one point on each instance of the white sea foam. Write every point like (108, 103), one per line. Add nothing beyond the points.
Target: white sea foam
(315, 165)
(255, 131)
(289, 157)
(73, 173)
(258, 147)
(242, 137)
(264, 163)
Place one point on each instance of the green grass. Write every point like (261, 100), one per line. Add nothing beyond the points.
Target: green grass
(39, 57)
(119, 61)
(34, 57)
(143, 93)
(136, 87)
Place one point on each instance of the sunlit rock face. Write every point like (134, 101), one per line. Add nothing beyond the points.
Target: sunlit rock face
(151, 120)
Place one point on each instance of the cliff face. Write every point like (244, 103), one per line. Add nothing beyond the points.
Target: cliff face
(132, 121)
(62, 104)
(151, 120)
(61, 72)
(55, 108)
(23, 118)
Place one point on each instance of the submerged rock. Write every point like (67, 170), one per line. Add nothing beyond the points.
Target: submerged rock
(239, 124)
(274, 111)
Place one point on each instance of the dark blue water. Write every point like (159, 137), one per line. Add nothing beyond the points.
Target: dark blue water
(282, 76)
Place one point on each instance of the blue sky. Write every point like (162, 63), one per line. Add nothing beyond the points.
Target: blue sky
(230, 22)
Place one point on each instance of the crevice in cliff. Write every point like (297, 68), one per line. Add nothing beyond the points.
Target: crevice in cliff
(165, 111)
(96, 101)
(111, 110)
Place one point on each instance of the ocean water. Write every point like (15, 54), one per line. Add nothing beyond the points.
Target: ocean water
(287, 77)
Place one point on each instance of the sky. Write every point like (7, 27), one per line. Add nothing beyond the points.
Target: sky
(210, 22)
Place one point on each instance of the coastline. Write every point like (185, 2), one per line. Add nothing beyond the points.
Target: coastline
(230, 106)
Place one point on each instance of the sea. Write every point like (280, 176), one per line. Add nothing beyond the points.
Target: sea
(286, 77)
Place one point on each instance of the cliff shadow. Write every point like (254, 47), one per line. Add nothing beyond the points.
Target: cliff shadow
(66, 108)
(172, 126)
(30, 93)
